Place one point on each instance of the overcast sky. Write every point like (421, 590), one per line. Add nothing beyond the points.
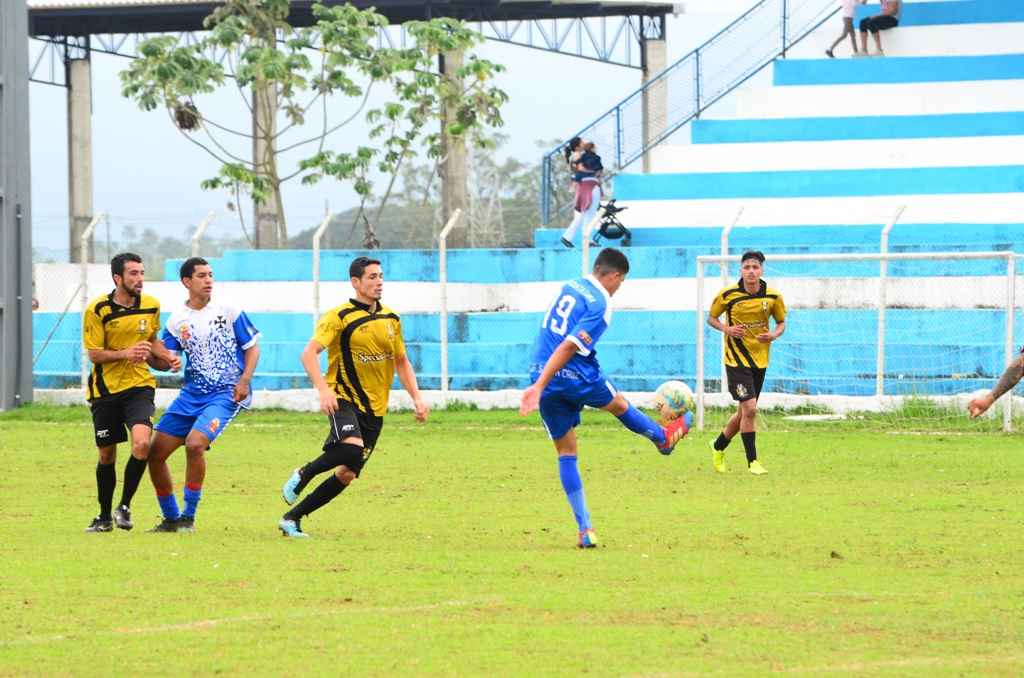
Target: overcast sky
(147, 175)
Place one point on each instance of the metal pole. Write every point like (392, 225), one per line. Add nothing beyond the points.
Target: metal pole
(699, 323)
(618, 137)
(784, 28)
(883, 278)
(200, 229)
(696, 84)
(442, 246)
(724, 267)
(545, 188)
(588, 228)
(1011, 303)
(317, 237)
(84, 285)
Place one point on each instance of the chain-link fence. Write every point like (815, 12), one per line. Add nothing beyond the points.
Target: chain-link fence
(907, 338)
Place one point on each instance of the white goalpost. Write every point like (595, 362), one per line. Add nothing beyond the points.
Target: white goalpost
(900, 335)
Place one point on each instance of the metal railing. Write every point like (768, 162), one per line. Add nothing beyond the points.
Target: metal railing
(681, 92)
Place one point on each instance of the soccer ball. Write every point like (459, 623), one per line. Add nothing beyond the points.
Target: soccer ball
(673, 399)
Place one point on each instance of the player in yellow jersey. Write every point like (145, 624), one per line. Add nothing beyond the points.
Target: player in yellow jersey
(119, 331)
(747, 306)
(365, 350)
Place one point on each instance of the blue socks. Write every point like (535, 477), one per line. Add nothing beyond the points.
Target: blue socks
(573, 486)
(192, 497)
(169, 506)
(638, 422)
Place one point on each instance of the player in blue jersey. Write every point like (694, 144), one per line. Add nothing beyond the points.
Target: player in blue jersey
(566, 377)
(221, 345)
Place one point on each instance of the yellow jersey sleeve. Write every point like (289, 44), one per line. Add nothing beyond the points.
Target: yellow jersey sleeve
(399, 341)
(718, 305)
(328, 329)
(92, 330)
(779, 309)
(154, 322)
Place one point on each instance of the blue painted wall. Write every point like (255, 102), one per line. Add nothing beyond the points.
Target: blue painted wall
(820, 183)
(894, 70)
(857, 128)
(939, 13)
(640, 350)
(809, 239)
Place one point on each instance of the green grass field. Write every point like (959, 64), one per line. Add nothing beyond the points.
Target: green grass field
(862, 553)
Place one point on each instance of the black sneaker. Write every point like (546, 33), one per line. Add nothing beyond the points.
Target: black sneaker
(100, 525)
(186, 524)
(166, 525)
(123, 518)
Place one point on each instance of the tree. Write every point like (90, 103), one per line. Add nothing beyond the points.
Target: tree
(278, 81)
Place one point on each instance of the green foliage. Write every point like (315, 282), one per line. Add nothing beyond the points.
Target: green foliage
(267, 53)
(859, 554)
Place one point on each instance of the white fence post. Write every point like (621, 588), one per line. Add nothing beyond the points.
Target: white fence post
(442, 246)
(1011, 304)
(317, 237)
(84, 286)
(200, 229)
(883, 275)
(588, 228)
(699, 321)
(724, 266)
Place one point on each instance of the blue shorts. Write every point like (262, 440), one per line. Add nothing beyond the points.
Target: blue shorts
(564, 399)
(208, 414)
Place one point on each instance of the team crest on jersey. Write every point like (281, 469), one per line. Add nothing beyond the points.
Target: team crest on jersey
(143, 326)
(583, 335)
(214, 425)
(391, 329)
(185, 331)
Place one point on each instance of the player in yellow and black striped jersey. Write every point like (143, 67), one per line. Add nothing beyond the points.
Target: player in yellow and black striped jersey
(365, 349)
(119, 332)
(748, 307)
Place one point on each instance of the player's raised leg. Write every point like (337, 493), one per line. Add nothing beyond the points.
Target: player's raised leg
(344, 457)
(663, 437)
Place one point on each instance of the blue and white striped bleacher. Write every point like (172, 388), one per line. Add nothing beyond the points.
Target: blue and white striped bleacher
(819, 154)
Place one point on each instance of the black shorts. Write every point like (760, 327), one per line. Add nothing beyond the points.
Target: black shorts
(882, 22)
(348, 422)
(113, 415)
(745, 382)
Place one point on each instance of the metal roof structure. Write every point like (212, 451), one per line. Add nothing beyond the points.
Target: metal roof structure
(609, 31)
(53, 18)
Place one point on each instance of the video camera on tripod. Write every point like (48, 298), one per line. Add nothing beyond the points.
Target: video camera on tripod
(610, 226)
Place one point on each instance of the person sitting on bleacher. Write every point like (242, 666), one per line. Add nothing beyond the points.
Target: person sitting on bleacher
(889, 18)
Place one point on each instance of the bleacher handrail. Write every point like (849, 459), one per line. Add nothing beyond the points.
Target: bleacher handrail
(705, 91)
